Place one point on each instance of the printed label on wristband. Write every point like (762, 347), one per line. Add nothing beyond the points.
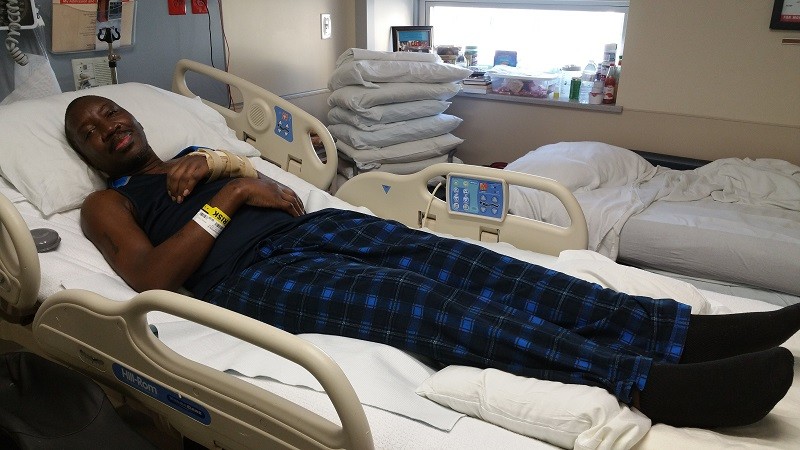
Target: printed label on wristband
(217, 214)
(211, 225)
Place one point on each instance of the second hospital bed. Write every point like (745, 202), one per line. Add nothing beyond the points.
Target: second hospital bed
(730, 225)
(215, 389)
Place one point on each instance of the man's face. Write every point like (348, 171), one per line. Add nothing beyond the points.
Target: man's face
(107, 136)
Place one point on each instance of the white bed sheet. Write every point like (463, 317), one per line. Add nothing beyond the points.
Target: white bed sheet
(740, 243)
(78, 264)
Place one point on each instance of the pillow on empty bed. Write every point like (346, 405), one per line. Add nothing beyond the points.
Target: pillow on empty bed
(583, 166)
(37, 160)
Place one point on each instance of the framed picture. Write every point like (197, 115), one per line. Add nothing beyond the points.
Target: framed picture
(412, 39)
(785, 15)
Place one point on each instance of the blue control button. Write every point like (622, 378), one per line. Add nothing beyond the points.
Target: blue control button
(283, 124)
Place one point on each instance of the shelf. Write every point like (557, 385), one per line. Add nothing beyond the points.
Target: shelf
(544, 102)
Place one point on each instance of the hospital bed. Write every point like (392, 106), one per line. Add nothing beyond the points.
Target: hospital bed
(203, 376)
(730, 225)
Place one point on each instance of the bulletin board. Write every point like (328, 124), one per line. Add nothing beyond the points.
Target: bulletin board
(76, 24)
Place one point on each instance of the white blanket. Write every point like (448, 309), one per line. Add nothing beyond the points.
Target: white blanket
(596, 174)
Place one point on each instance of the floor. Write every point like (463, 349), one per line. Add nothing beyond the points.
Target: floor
(142, 423)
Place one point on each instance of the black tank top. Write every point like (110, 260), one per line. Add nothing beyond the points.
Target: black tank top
(233, 250)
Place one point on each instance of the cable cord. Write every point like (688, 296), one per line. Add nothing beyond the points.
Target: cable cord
(427, 210)
(13, 31)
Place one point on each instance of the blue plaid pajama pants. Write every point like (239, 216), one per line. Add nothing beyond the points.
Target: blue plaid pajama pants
(353, 275)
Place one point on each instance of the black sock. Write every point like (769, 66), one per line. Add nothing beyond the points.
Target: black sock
(727, 392)
(720, 336)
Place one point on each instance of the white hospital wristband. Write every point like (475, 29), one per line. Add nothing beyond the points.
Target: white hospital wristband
(212, 220)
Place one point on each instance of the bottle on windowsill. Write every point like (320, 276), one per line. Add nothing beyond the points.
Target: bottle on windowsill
(610, 86)
(587, 79)
(596, 94)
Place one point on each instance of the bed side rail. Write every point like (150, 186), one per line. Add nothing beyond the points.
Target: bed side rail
(288, 143)
(406, 198)
(111, 340)
(20, 274)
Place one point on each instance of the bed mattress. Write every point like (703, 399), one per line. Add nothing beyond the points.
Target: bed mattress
(746, 244)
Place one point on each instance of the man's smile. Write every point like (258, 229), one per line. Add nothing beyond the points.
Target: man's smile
(123, 141)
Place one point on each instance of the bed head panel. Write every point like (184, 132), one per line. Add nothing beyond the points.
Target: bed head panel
(20, 274)
(111, 341)
(670, 161)
(406, 198)
(257, 122)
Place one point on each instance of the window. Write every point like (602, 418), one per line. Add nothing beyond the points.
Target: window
(546, 34)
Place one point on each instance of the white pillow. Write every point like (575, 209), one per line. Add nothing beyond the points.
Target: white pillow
(368, 72)
(404, 152)
(399, 132)
(358, 54)
(566, 415)
(37, 160)
(359, 98)
(347, 170)
(582, 166)
(382, 114)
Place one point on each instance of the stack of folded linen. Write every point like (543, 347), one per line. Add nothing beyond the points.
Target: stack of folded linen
(387, 111)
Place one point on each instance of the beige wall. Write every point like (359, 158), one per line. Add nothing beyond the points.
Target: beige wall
(277, 44)
(705, 79)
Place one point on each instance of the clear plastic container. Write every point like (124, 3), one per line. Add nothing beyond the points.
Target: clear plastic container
(524, 86)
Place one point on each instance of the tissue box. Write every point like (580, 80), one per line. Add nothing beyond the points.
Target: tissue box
(524, 86)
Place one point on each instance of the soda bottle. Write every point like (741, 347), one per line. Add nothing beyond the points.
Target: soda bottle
(610, 86)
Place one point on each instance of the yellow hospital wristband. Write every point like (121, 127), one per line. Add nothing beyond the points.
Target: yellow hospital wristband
(212, 219)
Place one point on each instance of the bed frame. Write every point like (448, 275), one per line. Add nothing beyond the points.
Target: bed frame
(111, 342)
(407, 199)
(670, 161)
(256, 123)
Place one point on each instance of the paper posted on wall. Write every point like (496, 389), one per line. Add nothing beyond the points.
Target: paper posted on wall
(80, 25)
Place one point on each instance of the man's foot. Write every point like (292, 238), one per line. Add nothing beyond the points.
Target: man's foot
(734, 391)
(713, 337)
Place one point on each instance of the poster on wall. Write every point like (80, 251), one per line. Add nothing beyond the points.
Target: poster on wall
(785, 15)
(89, 25)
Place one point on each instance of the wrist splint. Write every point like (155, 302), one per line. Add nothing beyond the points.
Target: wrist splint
(222, 163)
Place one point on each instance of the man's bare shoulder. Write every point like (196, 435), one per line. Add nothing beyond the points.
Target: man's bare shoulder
(104, 201)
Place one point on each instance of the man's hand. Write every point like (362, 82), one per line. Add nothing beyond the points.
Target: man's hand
(265, 192)
(184, 175)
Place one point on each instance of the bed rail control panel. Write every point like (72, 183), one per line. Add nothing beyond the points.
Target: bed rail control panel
(283, 124)
(483, 197)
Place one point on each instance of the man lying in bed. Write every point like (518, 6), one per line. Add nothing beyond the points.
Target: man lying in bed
(244, 242)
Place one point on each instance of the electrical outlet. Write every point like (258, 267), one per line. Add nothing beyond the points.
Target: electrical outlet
(325, 26)
(199, 6)
(176, 7)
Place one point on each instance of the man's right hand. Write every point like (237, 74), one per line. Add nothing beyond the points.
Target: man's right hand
(184, 174)
(262, 192)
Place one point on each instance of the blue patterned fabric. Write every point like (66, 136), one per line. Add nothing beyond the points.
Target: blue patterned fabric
(354, 275)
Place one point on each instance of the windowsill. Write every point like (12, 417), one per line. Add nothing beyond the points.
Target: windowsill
(544, 102)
